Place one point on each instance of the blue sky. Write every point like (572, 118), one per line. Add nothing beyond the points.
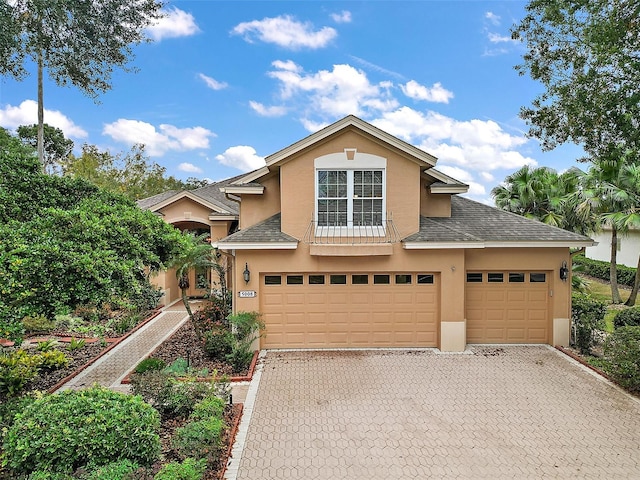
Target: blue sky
(226, 83)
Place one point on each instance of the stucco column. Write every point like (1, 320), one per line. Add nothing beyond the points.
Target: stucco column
(453, 325)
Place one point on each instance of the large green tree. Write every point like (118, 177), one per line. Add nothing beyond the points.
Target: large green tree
(78, 42)
(57, 148)
(585, 53)
(132, 174)
(66, 242)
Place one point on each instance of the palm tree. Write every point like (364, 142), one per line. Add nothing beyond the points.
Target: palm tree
(625, 220)
(195, 253)
(606, 193)
(538, 193)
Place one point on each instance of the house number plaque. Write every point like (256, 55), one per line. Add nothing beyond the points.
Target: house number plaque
(247, 293)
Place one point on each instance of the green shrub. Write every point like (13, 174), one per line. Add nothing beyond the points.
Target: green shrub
(150, 364)
(600, 269)
(622, 356)
(52, 360)
(178, 368)
(118, 470)
(10, 407)
(629, 317)
(38, 323)
(45, 475)
(199, 439)
(189, 469)
(71, 429)
(10, 329)
(68, 322)
(218, 343)
(247, 327)
(124, 323)
(587, 317)
(240, 356)
(209, 407)
(16, 370)
(169, 395)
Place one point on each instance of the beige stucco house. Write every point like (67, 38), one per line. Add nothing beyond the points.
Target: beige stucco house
(351, 238)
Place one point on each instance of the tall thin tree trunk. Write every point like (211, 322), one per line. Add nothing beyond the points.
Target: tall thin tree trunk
(631, 301)
(185, 300)
(40, 114)
(613, 271)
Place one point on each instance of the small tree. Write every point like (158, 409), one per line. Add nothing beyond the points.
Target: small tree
(196, 252)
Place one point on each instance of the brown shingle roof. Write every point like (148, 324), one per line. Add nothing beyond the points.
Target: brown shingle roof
(474, 221)
(268, 230)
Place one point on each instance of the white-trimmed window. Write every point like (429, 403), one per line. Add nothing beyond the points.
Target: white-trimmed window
(350, 198)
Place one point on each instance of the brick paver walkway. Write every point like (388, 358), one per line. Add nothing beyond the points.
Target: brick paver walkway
(110, 369)
(523, 412)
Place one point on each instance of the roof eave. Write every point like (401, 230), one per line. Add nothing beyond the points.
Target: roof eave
(256, 245)
(242, 190)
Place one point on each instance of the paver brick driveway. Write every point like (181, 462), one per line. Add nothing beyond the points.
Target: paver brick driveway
(503, 412)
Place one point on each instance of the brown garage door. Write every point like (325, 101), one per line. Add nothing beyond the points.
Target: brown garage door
(507, 307)
(350, 310)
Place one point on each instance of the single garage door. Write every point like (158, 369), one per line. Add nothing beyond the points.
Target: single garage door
(350, 310)
(507, 307)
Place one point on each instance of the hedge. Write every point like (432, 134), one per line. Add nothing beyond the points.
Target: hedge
(600, 269)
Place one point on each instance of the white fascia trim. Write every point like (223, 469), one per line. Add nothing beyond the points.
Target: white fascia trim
(253, 176)
(256, 245)
(223, 217)
(441, 245)
(449, 189)
(432, 172)
(505, 244)
(195, 198)
(241, 189)
(351, 120)
(541, 244)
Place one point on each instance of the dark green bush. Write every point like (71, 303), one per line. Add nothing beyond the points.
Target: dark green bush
(68, 430)
(9, 408)
(199, 439)
(247, 327)
(189, 469)
(218, 344)
(150, 364)
(629, 317)
(622, 356)
(600, 269)
(587, 317)
(16, 370)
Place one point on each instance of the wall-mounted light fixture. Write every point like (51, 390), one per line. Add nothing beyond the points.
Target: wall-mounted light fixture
(564, 271)
(246, 274)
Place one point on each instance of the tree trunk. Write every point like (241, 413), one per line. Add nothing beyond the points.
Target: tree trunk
(613, 271)
(40, 114)
(631, 301)
(185, 300)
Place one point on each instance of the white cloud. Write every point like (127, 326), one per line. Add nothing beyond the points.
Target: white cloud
(478, 145)
(492, 17)
(339, 92)
(487, 177)
(436, 93)
(212, 83)
(242, 157)
(285, 31)
(497, 38)
(27, 114)
(175, 23)
(342, 17)
(158, 141)
(464, 176)
(189, 167)
(264, 111)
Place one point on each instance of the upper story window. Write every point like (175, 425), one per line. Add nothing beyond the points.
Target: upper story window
(347, 198)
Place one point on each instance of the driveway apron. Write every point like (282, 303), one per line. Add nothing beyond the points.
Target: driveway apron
(494, 412)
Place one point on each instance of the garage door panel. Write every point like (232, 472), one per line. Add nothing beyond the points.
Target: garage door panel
(507, 312)
(329, 315)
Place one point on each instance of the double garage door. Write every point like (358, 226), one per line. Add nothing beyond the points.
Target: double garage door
(350, 310)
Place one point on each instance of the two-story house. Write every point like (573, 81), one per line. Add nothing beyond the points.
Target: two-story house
(351, 238)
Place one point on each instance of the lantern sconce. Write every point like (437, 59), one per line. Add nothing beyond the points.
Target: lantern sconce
(246, 274)
(564, 271)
